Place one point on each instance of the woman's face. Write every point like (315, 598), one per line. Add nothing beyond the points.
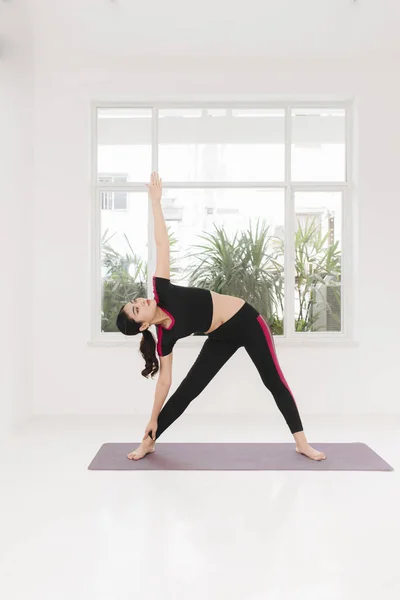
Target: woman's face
(141, 310)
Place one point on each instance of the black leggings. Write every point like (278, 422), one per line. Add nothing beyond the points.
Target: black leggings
(246, 328)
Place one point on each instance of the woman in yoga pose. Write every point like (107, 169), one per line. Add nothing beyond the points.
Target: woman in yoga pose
(229, 323)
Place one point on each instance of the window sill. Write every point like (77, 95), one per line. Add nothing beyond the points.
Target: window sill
(310, 340)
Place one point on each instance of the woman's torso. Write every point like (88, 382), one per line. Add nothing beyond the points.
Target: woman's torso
(224, 308)
(190, 310)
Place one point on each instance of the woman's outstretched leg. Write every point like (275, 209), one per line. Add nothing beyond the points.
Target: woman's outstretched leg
(261, 349)
(213, 355)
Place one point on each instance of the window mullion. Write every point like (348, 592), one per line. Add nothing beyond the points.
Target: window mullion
(305, 186)
(347, 286)
(94, 146)
(289, 262)
(348, 217)
(204, 185)
(96, 265)
(289, 231)
(348, 145)
(151, 263)
(311, 187)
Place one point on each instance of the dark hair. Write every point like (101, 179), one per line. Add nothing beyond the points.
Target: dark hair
(147, 347)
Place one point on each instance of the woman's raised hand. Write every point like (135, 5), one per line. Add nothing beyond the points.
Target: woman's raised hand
(154, 188)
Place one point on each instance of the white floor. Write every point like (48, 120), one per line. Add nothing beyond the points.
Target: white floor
(69, 533)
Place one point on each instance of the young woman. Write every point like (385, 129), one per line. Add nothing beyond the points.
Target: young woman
(228, 321)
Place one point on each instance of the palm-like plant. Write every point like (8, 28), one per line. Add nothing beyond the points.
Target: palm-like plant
(246, 266)
(262, 274)
(121, 282)
(119, 285)
(316, 262)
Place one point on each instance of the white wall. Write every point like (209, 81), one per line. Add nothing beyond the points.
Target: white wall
(71, 377)
(16, 200)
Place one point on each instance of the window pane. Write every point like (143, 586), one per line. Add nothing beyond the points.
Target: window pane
(318, 144)
(318, 247)
(124, 144)
(221, 145)
(230, 241)
(124, 255)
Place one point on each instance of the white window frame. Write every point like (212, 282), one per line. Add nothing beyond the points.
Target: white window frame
(111, 177)
(346, 337)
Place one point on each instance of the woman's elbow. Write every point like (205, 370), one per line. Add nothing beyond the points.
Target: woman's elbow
(165, 382)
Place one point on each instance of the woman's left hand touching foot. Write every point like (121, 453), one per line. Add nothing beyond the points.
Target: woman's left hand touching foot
(146, 447)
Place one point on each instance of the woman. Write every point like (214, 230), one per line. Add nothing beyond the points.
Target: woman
(228, 321)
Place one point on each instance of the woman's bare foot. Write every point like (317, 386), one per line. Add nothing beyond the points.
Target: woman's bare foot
(310, 452)
(146, 447)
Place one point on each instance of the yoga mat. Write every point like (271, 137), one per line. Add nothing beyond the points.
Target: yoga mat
(354, 456)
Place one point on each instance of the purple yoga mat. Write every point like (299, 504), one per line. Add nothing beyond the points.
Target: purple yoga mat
(238, 457)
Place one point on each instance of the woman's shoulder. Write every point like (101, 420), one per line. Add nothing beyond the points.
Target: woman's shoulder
(162, 288)
(160, 280)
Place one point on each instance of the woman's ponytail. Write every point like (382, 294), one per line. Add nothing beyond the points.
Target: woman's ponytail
(148, 351)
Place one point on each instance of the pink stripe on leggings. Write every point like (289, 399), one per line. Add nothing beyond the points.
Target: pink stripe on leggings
(271, 346)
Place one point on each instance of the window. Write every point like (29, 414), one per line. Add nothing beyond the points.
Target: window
(256, 200)
(113, 200)
(318, 268)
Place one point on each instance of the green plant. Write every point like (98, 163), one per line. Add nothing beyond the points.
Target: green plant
(317, 263)
(247, 266)
(119, 285)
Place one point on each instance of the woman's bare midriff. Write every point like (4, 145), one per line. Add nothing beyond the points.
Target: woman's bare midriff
(224, 308)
